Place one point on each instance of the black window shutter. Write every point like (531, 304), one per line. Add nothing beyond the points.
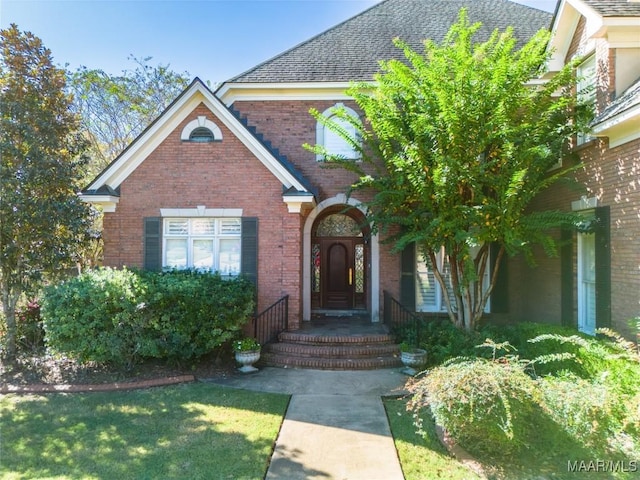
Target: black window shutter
(566, 278)
(603, 267)
(152, 243)
(249, 249)
(500, 293)
(408, 277)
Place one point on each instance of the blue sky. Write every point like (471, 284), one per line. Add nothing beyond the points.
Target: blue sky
(211, 39)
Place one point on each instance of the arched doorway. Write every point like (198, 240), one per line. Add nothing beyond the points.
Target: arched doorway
(339, 260)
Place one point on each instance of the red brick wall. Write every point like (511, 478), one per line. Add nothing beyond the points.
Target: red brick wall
(612, 176)
(288, 125)
(218, 175)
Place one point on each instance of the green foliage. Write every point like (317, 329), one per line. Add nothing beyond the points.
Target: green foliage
(120, 316)
(192, 313)
(486, 406)
(115, 109)
(246, 345)
(96, 316)
(30, 332)
(455, 147)
(565, 389)
(42, 221)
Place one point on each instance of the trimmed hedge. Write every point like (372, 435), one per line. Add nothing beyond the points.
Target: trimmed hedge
(121, 316)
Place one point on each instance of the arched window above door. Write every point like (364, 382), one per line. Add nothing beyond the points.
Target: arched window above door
(338, 225)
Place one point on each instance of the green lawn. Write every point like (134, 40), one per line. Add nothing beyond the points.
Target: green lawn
(195, 431)
(422, 456)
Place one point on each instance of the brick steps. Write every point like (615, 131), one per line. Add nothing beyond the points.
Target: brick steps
(332, 352)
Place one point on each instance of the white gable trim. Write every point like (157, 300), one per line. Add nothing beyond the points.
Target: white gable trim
(232, 92)
(149, 140)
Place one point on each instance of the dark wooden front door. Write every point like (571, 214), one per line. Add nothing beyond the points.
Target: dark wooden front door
(338, 274)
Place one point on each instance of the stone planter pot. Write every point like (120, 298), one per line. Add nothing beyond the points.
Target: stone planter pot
(247, 359)
(413, 359)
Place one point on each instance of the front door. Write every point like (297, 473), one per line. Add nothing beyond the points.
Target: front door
(338, 293)
(339, 262)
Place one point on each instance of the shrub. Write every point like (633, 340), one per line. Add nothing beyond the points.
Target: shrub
(191, 313)
(119, 316)
(96, 316)
(486, 406)
(29, 329)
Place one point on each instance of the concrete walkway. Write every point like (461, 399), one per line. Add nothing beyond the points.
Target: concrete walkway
(335, 427)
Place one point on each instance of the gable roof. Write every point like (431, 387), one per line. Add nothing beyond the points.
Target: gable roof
(614, 8)
(104, 189)
(351, 50)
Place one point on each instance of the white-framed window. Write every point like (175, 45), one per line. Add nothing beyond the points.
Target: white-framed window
(331, 140)
(203, 243)
(429, 294)
(201, 130)
(586, 89)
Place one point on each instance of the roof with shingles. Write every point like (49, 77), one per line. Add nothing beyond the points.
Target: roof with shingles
(352, 49)
(614, 8)
(629, 99)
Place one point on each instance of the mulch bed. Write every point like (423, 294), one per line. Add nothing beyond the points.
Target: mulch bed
(43, 373)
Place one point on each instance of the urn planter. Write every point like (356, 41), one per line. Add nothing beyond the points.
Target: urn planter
(246, 359)
(413, 359)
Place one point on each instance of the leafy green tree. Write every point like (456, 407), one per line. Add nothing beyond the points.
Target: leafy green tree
(456, 144)
(115, 109)
(42, 220)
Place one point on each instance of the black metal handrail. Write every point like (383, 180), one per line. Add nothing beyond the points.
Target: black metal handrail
(399, 318)
(272, 321)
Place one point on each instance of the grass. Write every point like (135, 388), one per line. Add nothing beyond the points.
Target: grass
(196, 431)
(422, 455)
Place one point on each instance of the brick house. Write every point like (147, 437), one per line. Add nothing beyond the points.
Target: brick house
(220, 180)
(595, 281)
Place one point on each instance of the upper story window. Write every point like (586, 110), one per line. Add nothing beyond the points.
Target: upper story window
(586, 88)
(201, 130)
(331, 140)
(201, 135)
(203, 243)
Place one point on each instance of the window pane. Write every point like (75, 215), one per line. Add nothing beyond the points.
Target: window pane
(359, 263)
(177, 227)
(230, 226)
(203, 254)
(426, 288)
(176, 253)
(203, 226)
(229, 256)
(337, 145)
(315, 268)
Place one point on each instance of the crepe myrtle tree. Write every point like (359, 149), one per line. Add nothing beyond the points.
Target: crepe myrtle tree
(456, 143)
(43, 222)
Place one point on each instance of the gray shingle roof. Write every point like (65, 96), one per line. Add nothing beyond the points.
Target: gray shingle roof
(614, 8)
(629, 99)
(351, 50)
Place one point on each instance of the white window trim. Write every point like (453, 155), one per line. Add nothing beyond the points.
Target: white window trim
(320, 128)
(201, 211)
(583, 83)
(201, 121)
(216, 237)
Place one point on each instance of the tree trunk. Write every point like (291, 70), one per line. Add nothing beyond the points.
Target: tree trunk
(9, 302)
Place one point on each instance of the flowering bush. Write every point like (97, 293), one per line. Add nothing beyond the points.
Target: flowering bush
(246, 345)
